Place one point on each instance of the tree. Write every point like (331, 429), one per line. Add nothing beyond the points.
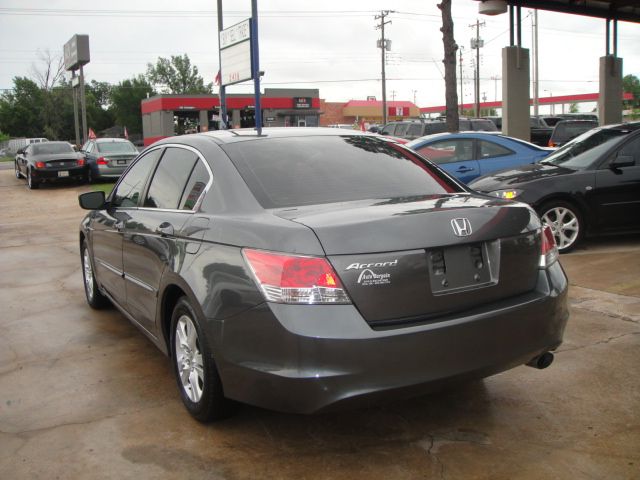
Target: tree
(573, 108)
(631, 84)
(450, 82)
(177, 75)
(50, 72)
(125, 102)
(20, 109)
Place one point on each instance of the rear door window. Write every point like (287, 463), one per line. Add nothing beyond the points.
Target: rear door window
(287, 172)
(170, 178)
(490, 149)
(415, 130)
(195, 186)
(401, 129)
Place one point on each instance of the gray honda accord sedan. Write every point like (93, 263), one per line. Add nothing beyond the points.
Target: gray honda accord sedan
(306, 268)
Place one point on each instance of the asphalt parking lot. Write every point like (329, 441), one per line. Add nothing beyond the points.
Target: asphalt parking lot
(83, 394)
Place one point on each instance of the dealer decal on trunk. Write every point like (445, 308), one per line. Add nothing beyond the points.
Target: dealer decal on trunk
(368, 277)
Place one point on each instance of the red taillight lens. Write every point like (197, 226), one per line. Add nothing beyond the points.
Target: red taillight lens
(295, 279)
(549, 252)
(102, 161)
(81, 162)
(551, 144)
(40, 165)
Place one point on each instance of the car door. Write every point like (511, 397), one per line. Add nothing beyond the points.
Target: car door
(455, 155)
(617, 189)
(108, 227)
(152, 234)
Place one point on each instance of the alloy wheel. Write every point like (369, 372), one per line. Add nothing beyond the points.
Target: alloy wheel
(188, 358)
(88, 274)
(564, 225)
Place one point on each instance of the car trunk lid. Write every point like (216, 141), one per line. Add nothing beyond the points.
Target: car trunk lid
(412, 260)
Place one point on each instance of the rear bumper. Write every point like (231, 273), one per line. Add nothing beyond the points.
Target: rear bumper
(304, 359)
(103, 171)
(53, 174)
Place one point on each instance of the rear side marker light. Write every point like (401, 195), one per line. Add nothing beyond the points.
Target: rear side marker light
(549, 253)
(295, 279)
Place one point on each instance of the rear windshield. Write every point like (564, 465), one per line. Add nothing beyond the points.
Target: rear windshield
(569, 130)
(116, 147)
(288, 172)
(51, 148)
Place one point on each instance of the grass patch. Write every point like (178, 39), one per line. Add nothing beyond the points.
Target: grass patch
(6, 159)
(104, 187)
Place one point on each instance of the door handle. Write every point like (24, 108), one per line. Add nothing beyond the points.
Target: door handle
(464, 169)
(165, 229)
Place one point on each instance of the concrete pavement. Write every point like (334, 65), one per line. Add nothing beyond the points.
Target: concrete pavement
(83, 394)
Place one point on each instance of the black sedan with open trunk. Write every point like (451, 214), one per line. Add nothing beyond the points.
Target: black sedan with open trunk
(305, 269)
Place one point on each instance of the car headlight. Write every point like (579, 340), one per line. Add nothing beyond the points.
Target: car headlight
(510, 194)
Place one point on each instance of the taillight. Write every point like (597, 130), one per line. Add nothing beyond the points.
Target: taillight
(81, 162)
(552, 144)
(102, 161)
(40, 165)
(549, 252)
(295, 279)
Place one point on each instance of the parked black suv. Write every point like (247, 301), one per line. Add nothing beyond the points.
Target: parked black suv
(412, 129)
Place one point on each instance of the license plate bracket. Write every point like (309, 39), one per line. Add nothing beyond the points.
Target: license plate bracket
(63, 173)
(461, 267)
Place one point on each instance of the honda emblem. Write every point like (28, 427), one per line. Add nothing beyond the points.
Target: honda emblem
(461, 227)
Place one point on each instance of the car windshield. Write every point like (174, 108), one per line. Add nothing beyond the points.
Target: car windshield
(288, 172)
(116, 147)
(582, 151)
(48, 148)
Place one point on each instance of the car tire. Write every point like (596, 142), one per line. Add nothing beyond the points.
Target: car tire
(195, 369)
(31, 183)
(95, 299)
(566, 224)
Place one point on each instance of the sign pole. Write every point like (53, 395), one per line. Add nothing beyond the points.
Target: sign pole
(76, 122)
(223, 90)
(255, 64)
(83, 106)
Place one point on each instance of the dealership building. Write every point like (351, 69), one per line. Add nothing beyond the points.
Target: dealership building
(168, 115)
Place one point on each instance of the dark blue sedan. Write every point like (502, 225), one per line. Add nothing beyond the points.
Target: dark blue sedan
(467, 156)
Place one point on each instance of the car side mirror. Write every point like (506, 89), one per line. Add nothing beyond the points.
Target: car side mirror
(622, 161)
(92, 200)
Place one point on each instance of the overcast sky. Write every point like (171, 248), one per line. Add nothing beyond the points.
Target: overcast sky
(330, 45)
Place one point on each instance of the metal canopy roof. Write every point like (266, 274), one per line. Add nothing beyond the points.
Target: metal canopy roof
(626, 10)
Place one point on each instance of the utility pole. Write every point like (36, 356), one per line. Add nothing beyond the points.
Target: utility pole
(461, 93)
(477, 43)
(414, 96)
(393, 95)
(384, 45)
(534, 29)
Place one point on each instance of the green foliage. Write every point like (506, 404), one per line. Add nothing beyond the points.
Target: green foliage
(4, 137)
(177, 75)
(20, 109)
(573, 108)
(125, 102)
(631, 84)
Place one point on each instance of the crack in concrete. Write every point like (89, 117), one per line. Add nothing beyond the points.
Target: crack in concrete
(599, 342)
(31, 432)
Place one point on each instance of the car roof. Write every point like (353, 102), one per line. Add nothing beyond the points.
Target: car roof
(467, 134)
(107, 139)
(246, 134)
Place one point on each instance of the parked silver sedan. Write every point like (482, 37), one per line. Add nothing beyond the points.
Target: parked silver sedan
(108, 157)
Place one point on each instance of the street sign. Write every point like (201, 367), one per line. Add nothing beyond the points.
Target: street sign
(76, 52)
(235, 53)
